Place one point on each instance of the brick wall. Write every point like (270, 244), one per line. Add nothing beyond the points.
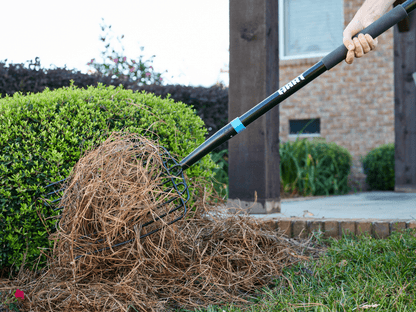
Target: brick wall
(355, 103)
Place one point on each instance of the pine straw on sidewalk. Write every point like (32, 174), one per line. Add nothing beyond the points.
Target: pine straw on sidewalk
(207, 258)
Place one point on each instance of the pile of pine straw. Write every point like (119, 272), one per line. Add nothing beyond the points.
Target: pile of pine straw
(206, 258)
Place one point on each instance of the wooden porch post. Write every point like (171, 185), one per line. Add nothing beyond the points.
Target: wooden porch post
(254, 75)
(405, 104)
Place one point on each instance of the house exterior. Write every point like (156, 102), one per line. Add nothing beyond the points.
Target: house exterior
(353, 105)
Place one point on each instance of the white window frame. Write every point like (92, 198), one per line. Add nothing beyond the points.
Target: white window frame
(304, 135)
(281, 36)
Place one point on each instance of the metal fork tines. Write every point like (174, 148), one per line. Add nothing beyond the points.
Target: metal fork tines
(179, 187)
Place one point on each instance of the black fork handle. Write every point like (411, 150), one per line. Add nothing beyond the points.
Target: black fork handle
(329, 61)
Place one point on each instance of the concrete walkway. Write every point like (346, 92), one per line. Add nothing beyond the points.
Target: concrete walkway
(377, 213)
(367, 205)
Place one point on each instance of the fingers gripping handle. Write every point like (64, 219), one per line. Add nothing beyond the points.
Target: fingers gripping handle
(374, 30)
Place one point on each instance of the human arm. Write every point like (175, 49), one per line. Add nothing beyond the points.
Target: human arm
(369, 12)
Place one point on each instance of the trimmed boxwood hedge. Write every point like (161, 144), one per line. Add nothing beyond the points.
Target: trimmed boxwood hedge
(378, 165)
(43, 135)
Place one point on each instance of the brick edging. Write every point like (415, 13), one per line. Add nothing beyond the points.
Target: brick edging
(303, 227)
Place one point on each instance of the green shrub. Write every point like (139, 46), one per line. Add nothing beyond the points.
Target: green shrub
(221, 172)
(311, 168)
(378, 165)
(43, 135)
(314, 168)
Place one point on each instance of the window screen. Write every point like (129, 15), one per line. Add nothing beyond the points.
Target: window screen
(311, 27)
(309, 126)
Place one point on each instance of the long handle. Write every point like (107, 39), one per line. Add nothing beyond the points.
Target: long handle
(329, 61)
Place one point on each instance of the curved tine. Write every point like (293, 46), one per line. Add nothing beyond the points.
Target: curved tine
(55, 183)
(165, 214)
(188, 195)
(172, 178)
(131, 240)
(56, 200)
(102, 249)
(160, 206)
(144, 225)
(59, 208)
(176, 165)
(175, 186)
(62, 189)
(179, 192)
(183, 204)
(147, 223)
(48, 203)
(45, 202)
(152, 221)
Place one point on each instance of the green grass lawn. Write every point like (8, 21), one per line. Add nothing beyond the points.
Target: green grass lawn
(353, 274)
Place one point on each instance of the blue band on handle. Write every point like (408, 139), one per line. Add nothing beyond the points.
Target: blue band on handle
(237, 125)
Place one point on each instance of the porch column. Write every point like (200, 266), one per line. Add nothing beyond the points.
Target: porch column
(254, 75)
(405, 104)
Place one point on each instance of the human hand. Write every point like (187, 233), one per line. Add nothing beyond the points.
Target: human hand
(364, 43)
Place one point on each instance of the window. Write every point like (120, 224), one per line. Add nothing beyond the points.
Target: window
(309, 28)
(310, 127)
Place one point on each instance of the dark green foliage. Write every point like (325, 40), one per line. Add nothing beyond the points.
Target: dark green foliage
(43, 135)
(314, 167)
(16, 78)
(309, 168)
(378, 165)
(221, 172)
(211, 104)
